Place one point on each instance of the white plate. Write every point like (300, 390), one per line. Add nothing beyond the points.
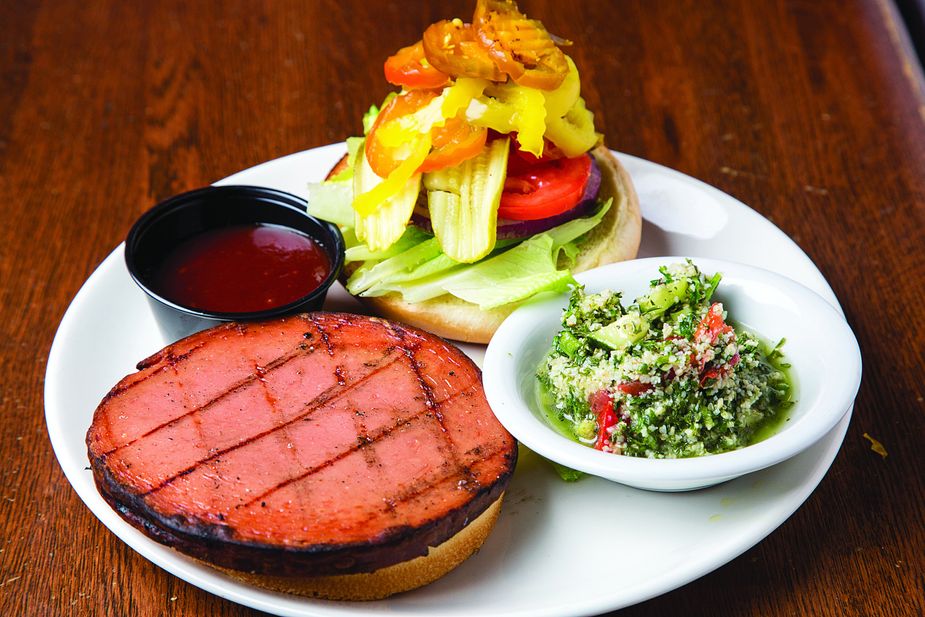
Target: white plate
(549, 532)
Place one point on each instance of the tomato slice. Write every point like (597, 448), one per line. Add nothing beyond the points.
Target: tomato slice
(452, 143)
(409, 68)
(544, 189)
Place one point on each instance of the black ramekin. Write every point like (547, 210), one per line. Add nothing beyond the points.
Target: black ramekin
(183, 216)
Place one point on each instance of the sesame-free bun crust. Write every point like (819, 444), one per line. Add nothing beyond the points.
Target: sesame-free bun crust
(390, 580)
(615, 239)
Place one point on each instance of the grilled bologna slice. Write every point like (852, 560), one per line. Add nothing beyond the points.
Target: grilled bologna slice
(321, 445)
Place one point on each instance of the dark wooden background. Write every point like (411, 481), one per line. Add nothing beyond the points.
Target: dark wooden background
(811, 112)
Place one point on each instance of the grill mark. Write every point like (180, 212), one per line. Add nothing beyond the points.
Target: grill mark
(422, 487)
(299, 350)
(273, 403)
(168, 362)
(438, 414)
(417, 491)
(361, 444)
(333, 393)
(325, 337)
(197, 421)
(369, 455)
(284, 440)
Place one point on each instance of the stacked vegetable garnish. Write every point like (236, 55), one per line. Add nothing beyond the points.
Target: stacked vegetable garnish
(475, 179)
(665, 377)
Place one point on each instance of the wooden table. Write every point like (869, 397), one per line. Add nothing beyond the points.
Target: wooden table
(810, 112)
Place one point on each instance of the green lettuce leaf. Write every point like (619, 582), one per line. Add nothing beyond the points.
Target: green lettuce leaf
(371, 273)
(411, 238)
(426, 280)
(330, 200)
(523, 271)
(507, 275)
(435, 267)
(574, 229)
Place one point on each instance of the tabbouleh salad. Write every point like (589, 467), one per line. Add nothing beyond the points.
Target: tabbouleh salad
(666, 377)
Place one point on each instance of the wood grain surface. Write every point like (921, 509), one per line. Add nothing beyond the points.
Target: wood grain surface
(811, 112)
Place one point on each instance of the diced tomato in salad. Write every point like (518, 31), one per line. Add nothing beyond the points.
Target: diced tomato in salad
(712, 324)
(602, 406)
(711, 327)
(634, 388)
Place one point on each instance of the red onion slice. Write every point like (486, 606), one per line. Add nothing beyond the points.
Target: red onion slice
(508, 229)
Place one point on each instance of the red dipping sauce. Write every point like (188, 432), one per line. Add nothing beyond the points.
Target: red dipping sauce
(242, 269)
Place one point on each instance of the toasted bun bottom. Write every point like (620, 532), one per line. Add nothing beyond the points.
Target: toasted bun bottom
(616, 238)
(390, 580)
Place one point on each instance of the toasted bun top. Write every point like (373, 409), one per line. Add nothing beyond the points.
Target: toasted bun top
(615, 239)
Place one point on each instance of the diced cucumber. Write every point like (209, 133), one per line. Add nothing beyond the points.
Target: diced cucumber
(463, 203)
(567, 343)
(625, 331)
(567, 473)
(586, 429)
(663, 297)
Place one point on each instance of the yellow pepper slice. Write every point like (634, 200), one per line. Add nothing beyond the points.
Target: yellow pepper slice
(458, 96)
(511, 108)
(367, 200)
(573, 133)
(451, 101)
(560, 100)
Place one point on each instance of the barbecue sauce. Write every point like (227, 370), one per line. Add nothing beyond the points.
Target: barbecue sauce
(242, 269)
